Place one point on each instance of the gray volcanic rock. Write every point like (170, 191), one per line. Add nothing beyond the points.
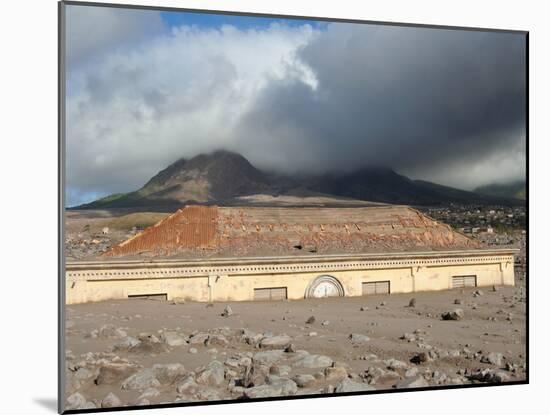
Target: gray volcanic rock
(111, 401)
(412, 382)
(275, 342)
(359, 338)
(348, 385)
(311, 361)
(456, 314)
(144, 379)
(172, 339)
(213, 374)
(169, 373)
(111, 373)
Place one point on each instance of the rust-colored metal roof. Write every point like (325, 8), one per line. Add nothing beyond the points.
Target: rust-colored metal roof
(194, 227)
(198, 231)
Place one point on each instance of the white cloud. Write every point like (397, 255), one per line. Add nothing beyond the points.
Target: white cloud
(445, 106)
(178, 94)
(92, 31)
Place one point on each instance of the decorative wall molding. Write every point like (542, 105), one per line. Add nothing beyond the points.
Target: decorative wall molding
(117, 271)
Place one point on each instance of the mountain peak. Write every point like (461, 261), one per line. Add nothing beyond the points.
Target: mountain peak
(217, 175)
(224, 175)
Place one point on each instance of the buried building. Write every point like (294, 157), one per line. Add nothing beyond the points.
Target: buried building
(210, 253)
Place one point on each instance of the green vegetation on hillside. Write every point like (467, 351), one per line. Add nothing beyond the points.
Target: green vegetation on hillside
(516, 190)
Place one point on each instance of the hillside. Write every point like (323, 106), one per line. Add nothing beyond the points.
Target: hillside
(515, 189)
(204, 178)
(225, 177)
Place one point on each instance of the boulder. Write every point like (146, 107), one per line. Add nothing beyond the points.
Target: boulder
(262, 391)
(213, 374)
(456, 314)
(348, 385)
(110, 331)
(421, 357)
(188, 386)
(111, 401)
(335, 374)
(394, 364)
(489, 376)
(290, 348)
(275, 387)
(359, 338)
(275, 342)
(288, 387)
(217, 339)
(149, 393)
(199, 338)
(207, 394)
(311, 361)
(409, 337)
(412, 382)
(172, 339)
(304, 381)
(268, 357)
(493, 358)
(227, 311)
(76, 401)
(111, 373)
(411, 373)
(83, 373)
(127, 344)
(143, 379)
(169, 373)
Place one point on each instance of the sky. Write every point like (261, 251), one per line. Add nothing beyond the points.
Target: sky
(145, 88)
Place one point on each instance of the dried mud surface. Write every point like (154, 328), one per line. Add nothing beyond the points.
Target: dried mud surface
(137, 352)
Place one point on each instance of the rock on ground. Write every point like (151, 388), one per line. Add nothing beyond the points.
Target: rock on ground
(169, 373)
(227, 311)
(394, 364)
(275, 342)
(493, 358)
(268, 357)
(335, 374)
(111, 373)
(173, 339)
(311, 361)
(304, 381)
(413, 382)
(75, 401)
(359, 338)
(111, 401)
(141, 380)
(348, 385)
(213, 374)
(275, 387)
(456, 314)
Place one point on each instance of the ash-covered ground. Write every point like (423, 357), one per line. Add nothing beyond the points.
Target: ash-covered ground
(139, 352)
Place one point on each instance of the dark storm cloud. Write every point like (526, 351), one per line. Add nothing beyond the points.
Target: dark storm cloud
(442, 105)
(407, 98)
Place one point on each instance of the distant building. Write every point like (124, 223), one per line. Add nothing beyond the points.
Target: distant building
(209, 253)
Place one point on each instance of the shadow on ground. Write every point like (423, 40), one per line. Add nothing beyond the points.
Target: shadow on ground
(48, 403)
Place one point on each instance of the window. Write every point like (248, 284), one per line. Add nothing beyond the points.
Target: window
(268, 294)
(158, 297)
(461, 281)
(376, 287)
